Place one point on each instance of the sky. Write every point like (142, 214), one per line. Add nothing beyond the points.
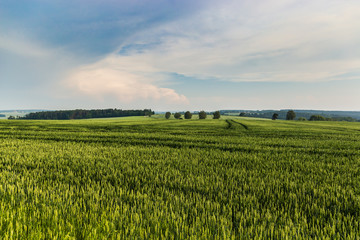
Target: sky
(180, 54)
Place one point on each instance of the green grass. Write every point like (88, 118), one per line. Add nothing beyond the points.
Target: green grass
(151, 178)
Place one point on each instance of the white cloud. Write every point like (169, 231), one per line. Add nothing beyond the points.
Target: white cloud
(238, 41)
(259, 41)
(122, 78)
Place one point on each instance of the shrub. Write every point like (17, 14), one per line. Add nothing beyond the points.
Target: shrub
(290, 115)
(177, 115)
(317, 118)
(202, 115)
(167, 115)
(275, 116)
(188, 115)
(216, 115)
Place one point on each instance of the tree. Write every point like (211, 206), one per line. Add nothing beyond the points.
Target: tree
(11, 117)
(275, 116)
(290, 115)
(216, 115)
(242, 114)
(301, 119)
(188, 115)
(167, 115)
(202, 115)
(81, 114)
(177, 115)
(317, 118)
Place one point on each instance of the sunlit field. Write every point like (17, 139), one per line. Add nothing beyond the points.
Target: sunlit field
(152, 178)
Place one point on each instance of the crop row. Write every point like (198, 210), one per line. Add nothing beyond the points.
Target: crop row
(158, 179)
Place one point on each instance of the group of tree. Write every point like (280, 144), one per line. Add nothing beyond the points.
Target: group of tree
(317, 118)
(290, 115)
(349, 116)
(83, 114)
(188, 115)
(322, 118)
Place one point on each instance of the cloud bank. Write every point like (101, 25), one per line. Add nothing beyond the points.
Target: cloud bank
(120, 78)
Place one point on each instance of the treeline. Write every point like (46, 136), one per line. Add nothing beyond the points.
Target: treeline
(84, 114)
(188, 115)
(322, 118)
(300, 114)
(291, 115)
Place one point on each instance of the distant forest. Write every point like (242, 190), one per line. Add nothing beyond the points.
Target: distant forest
(84, 114)
(350, 116)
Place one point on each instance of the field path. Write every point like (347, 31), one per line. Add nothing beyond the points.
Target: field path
(231, 124)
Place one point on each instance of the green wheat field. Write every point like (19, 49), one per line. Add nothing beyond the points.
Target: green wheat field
(152, 178)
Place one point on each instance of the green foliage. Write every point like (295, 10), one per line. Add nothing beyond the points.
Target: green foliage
(177, 115)
(11, 117)
(167, 115)
(301, 119)
(317, 118)
(275, 116)
(202, 115)
(349, 116)
(290, 115)
(148, 178)
(83, 114)
(188, 115)
(216, 115)
(347, 119)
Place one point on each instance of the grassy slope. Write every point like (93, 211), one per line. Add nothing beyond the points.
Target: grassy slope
(150, 177)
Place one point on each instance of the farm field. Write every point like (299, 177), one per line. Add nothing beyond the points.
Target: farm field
(151, 178)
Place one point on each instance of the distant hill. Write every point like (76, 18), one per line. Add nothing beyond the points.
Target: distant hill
(334, 115)
(17, 112)
(22, 111)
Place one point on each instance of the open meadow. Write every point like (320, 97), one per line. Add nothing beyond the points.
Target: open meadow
(152, 178)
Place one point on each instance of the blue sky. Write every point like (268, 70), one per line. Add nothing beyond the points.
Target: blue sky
(180, 55)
